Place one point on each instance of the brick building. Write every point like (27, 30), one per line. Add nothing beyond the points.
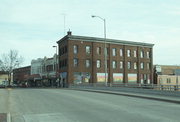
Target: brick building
(21, 75)
(81, 60)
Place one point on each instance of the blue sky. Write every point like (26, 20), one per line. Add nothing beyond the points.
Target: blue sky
(33, 26)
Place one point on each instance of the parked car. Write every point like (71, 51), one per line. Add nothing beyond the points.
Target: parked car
(2, 86)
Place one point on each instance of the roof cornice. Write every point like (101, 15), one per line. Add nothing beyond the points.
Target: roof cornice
(112, 41)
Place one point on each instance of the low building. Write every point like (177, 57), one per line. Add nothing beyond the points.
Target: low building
(21, 75)
(3, 78)
(44, 71)
(167, 76)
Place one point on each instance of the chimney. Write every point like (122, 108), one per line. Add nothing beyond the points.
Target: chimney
(69, 32)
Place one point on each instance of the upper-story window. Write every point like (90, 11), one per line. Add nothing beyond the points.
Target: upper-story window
(147, 54)
(135, 65)
(98, 63)
(87, 63)
(114, 64)
(75, 49)
(128, 53)
(148, 65)
(142, 54)
(142, 65)
(65, 48)
(135, 53)
(121, 64)
(114, 51)
(75, 62)
(121, 52)
(129, 65)
(88, 49)
(107, 50)
(98, 50)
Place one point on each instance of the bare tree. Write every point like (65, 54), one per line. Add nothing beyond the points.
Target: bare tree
(10, 61)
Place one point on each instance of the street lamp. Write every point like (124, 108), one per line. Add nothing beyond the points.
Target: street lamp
(56, 62)
(105, 51)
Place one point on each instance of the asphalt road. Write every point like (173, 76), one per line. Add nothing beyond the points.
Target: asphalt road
(61, 105)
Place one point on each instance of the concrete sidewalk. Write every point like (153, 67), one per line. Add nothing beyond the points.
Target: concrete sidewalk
(163, 98)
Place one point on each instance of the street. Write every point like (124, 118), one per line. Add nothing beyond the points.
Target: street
(64, 105)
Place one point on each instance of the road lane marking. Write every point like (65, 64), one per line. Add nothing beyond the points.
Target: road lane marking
(8, 117)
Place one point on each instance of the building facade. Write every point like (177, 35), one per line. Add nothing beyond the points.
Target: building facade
(3, 78)
(82, 60)
(21, 75)
(44, 71)
(167, 76)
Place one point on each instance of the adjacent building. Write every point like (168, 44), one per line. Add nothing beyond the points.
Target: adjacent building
(167, 76)
(82, 60)
(21, 75)
(44, 71)
(3, 78)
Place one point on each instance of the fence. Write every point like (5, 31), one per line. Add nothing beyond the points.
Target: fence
(130, 85)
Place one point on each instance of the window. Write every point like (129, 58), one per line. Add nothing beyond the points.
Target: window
(98, 63)
(65, 49)
(75, 49)
(75, 62)
(135, 53)
(114, 64)
(129, 65)
(142, 65)
(121, 52)
(128, 53)
(88, 50)
(98, 50)
(87, 63)
(107, 50)
(147, 53)
(148, 65)
(121, 65)
(65, 62)
(142, 54)
(114, 51)
(168, 80)
(107, 63)
(135, 65)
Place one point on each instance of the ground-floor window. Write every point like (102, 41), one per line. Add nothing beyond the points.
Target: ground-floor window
(81, 77)
(132, 78)
(101, 77)
(145, 78)
(117, 77)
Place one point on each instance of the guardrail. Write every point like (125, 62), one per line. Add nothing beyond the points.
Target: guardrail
(130, 85)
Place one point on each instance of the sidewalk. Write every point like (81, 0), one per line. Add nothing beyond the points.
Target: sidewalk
(137, 95)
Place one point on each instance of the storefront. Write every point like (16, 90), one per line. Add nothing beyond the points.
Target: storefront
(118, 77)
(81, 77)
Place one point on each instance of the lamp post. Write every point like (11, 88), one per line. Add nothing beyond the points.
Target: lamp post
(105, 51)
(56, 62)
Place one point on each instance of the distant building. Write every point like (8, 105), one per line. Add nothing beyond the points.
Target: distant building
(21, 75)
(167, 75)
(3, 78)
(81, 60)
(44, 72)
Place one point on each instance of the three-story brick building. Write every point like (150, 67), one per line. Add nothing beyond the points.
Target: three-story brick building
(82, 60)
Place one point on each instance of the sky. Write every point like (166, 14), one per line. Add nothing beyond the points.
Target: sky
(33, 26)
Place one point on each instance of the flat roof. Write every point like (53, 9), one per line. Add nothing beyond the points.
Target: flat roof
(112, 41)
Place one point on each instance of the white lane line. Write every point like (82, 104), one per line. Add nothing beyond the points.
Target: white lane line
(9, 117)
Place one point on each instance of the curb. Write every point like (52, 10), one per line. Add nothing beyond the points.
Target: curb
(130, 95)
